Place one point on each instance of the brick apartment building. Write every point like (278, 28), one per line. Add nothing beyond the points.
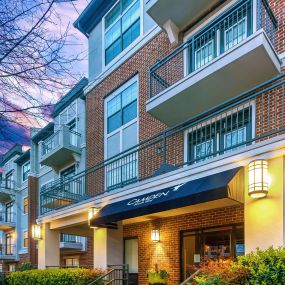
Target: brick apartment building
(184, 137)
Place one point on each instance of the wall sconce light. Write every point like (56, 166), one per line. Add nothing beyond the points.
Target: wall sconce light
(36, 232)
(92, 212)
(258, 178)
(155, 235)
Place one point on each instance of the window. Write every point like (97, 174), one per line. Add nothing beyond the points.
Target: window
(11, 267)
(26, 239)
(235, 34)
(9, 212)
(73, 186)
(222, 135)
(204, 54)
(9, 181)
(26, 205)
(122, 27)
(9, 244)
(72, 262)
(26, 170)
(121, 134)
(210, 244)
(69, 238)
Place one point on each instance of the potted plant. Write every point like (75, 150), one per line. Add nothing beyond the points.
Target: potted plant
(157, 276)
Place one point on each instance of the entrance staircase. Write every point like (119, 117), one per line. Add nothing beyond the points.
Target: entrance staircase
(116, 275)
(189, 280)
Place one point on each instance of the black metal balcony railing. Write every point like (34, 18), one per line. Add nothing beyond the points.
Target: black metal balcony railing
(253, 116)
(70, 238)
(7, 217)
(55, 140)
(7, 184)
(221, 35)
(7, 250)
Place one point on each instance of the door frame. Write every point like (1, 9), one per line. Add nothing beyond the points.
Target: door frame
(201, 230)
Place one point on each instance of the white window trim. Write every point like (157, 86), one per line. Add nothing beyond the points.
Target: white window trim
(66, 167)
(29, 162)
(133, 80)
(23, 242)
(25, 214)
(68, 120)
(225, 31)
(131, 46)
(252, 104)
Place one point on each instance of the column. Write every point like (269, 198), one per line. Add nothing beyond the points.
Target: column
(48, 248)
(108, 247)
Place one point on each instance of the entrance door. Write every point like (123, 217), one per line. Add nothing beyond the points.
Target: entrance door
(131, 258)
(209, 244)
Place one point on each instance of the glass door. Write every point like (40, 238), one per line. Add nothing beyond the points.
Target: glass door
(131, 258)
(209, 244)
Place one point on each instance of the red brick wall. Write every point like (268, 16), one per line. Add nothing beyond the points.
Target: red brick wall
(32, 216)
(278, 8)
(166, 253)
(148, 125)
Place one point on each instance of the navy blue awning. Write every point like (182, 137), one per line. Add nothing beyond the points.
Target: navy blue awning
(206, 189)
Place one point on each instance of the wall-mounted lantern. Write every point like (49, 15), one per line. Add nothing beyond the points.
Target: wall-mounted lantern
(258, 179)
(36, 232)
(155, 235)
(92, 212)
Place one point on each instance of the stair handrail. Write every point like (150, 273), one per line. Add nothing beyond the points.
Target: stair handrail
(190, 278)
(111, 269)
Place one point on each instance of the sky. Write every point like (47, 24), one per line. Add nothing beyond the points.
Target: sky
(68, 13)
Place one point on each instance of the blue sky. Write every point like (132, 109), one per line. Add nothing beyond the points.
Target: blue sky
(68, 13)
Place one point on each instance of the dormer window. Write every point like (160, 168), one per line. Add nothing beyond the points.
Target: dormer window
(122, 27)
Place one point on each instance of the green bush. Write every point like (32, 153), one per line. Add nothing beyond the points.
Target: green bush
(25, 266)
(74, 276)
(222, 272)
(265, 267)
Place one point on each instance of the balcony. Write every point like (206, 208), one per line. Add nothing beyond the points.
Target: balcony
(61, 148)
(7, 221)
(8, 252)
(71, 243)
(7, 190)
(185, 12)
(232, 54)
(250, 118)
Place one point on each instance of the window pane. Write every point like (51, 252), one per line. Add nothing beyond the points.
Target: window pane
(126, 3)
(114, 122)
(112, 16)
(114, 105)
(129, 95)
(130, 136)
(113, 145)
(63, 117)
(113, 34)
(204, 54)
(234, 138)
(113, 50)
(130, 112)
(235, 34)
(131, 34)
(202, 150)
(131, 16)
(71, 112)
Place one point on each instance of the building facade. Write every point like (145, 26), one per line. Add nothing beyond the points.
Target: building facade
(14, 208)
(184, 138)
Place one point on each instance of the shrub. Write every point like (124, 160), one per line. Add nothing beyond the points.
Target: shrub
(265, 267)
(25, 266)
(74, 276)
(222, 272)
